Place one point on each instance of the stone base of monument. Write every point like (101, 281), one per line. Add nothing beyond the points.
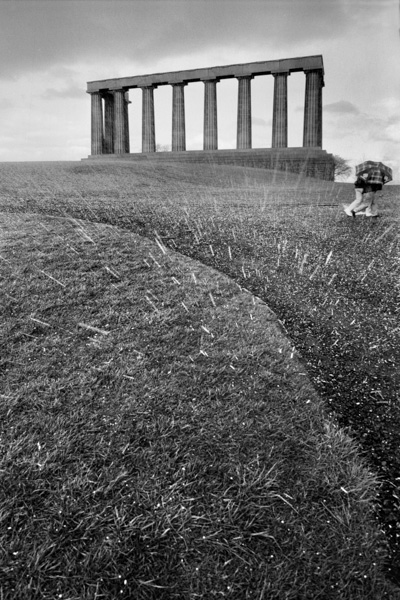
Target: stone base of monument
(312, 162)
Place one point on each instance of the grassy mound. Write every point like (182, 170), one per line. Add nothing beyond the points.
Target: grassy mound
(161, 436)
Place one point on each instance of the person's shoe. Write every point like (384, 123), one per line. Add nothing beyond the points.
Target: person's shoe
(372, 214)
(349, 213)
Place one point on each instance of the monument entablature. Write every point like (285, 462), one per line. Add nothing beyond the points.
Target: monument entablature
(287, 65)
(110, 121)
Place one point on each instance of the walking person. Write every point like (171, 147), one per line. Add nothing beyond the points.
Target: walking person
(375, 175)
(359, 203)
(376, 180)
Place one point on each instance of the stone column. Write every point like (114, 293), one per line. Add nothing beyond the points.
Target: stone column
(280, 114)
(109, 123)
(97, 123)
(210, 135)
(312, 134)
(148, 128)
(178, 117)
(119, 122)
(243, 139)
(126, 121)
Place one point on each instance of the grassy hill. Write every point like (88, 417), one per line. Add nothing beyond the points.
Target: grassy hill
(164, 435)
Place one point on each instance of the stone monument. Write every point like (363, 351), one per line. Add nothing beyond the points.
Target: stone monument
(110, 122)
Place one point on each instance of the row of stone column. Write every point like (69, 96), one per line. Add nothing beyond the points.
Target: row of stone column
(110, 132)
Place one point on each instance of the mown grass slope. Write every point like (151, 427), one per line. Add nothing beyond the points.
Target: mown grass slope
(148, 394)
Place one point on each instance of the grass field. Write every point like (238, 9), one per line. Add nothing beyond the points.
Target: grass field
(163, 434)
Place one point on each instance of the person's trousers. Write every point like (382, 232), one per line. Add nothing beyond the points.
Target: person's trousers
(362, 201)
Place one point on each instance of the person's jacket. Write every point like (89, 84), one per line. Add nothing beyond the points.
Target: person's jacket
(360, 183)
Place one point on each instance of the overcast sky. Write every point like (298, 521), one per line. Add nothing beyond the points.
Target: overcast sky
(49, 49)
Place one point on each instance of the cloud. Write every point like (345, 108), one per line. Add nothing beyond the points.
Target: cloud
(34, 35)
(342, 107)
(6, 104)
(372, 134)
(73, 91)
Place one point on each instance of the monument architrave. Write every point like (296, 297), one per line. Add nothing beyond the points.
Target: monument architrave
(110, 121)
